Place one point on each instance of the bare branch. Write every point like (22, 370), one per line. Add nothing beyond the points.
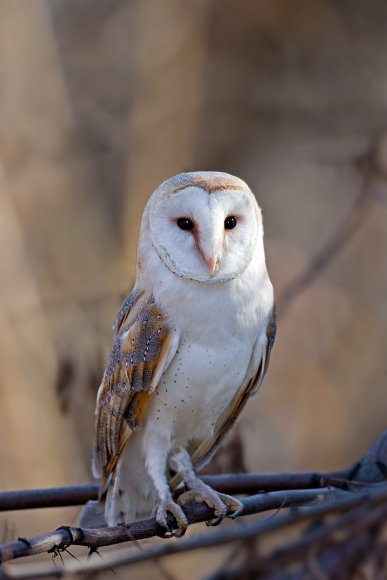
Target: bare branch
(66, 536)
(234, 483)
(231, 483)
(347, 500)
(24, 499)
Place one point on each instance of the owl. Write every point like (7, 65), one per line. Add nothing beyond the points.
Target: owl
(192, 344)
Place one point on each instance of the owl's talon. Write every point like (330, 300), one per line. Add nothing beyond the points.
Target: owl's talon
(234, 506)
(164, 533)
(222, 504)
(165, 507)
(215, 522)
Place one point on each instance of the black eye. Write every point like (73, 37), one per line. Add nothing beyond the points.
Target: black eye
(185, 223)
(230, 222)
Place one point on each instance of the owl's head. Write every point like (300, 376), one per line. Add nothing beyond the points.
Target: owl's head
(205, 226)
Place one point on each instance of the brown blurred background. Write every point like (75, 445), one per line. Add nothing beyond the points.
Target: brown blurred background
(100, 102)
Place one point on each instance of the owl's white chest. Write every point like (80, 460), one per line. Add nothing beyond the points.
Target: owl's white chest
(217, 329)
(200, 382)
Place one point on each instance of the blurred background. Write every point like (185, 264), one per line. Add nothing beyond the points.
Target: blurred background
(99, 103)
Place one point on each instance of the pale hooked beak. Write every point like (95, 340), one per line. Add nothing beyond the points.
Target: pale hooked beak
(211, 262)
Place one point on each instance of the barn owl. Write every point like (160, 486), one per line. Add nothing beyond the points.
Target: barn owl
(192, 344)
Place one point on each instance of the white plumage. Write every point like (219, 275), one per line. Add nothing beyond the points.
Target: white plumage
(193, 341)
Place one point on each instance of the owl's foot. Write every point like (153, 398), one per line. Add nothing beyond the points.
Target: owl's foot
(222, 504)
(233, 504)
(165, 507)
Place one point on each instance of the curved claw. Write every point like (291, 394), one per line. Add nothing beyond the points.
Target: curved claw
(215, 522)
(234, 506)
(167, 533)
(161, 513)
(223, 505)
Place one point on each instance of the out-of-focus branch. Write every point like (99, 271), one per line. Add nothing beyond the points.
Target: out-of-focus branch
(330, 543)
(24, 499)
(337, 240)
(232, 483)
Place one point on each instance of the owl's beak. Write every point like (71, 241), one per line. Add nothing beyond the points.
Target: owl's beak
(211, 262)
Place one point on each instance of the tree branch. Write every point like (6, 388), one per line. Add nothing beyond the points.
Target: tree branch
(232, 483)
(96, 538)
(347, 500)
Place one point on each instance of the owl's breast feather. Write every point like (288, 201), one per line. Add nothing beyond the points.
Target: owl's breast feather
(198, 385)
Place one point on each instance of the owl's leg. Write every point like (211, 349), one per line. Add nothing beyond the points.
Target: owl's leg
(156, 462)
(222, 504)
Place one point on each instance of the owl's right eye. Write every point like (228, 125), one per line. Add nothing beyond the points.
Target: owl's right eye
(185, 223)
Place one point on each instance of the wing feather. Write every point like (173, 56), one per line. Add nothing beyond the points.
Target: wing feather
(143, 346)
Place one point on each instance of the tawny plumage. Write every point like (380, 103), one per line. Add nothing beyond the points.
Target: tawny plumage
(192, 344)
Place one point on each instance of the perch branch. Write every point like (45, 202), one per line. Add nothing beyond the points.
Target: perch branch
(233, 483)
(96, 538)
(371, 498)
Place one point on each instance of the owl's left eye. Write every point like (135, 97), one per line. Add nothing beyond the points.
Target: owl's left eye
(230, 222)
(185, 223)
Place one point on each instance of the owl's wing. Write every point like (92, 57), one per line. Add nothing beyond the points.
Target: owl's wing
(255, 374)
(143, 347)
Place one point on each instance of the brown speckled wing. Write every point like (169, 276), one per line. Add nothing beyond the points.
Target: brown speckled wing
(137, 360)
(206, 448)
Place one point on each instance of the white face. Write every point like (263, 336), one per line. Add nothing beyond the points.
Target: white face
(208, 237)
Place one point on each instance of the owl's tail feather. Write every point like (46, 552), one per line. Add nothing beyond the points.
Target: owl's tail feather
(124, 503)
(131, 495)
(93, 515)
